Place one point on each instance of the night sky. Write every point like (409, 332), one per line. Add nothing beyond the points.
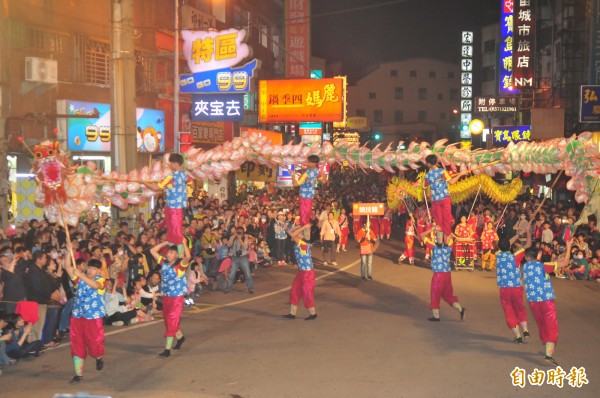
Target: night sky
(361, 32)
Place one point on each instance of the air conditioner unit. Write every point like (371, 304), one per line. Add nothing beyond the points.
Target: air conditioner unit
(41, 70)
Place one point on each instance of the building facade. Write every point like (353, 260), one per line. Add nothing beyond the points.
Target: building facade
(410, 99)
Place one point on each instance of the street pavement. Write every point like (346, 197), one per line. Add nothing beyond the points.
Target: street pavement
(371, 339)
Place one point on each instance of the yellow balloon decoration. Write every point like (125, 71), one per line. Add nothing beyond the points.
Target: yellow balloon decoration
(464, 189)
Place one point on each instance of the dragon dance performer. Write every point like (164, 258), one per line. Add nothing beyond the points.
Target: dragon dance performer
(540, 295)
(174, 289)
(87, 318)
(508, 277)
(409, 240)
(441, 281)
(175, 187)
(441, 208)
(308, 182)
(385, 224)
(303, 286)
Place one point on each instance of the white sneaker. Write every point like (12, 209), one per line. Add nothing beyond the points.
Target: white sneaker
(324, 262)
(118, 323)
(191, 301)
(334, 263)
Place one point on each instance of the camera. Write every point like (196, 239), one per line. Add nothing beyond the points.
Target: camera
(238, 253)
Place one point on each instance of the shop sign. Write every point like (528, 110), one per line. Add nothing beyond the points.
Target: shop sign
(495, 104)
(523, 44)
(297, 33)
(505, 59)
(217, 107)
(589, 105)
(301, 100)
(227, 80)
(503, 135)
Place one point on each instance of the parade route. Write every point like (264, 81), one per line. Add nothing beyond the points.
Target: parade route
(371, 339)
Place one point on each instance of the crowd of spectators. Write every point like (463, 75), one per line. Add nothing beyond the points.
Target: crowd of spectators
(31, 254)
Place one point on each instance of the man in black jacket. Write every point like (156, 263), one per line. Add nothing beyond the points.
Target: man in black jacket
(40, 290)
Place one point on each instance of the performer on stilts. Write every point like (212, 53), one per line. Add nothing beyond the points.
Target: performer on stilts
(87, 317)
(308, 182)
(175, 187)
(174, 289)
(303, 286)
(441, 208)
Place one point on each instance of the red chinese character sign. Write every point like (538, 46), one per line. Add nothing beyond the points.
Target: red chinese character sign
(297, 32)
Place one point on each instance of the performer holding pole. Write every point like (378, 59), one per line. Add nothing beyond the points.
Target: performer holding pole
(441, 281)
(540, 295)
(87, 318)
(303, 286)
(174, 289)
(175, 187)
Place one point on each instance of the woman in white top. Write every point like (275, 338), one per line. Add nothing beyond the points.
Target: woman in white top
(329, 230)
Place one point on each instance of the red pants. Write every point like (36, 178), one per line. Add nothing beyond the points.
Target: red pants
(410, 246)
(344, 237)
(385, 227)
(174, 220)
(87, 335)
(303, 288)
(305, 210)
(441, 211)
(511, 299)
(441, 288)
(544, 313)
(172, 310)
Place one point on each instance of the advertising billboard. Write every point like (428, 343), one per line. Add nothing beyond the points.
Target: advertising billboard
(94, 134)
(301, 100)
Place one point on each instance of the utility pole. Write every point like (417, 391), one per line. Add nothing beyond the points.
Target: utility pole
(176, 82)
(123, 107)
(4, 98)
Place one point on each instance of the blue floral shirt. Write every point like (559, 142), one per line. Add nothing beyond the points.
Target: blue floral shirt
(438, 184)
(89, 303)
(281, 233)
(538, 286)
(307, 188)
(173, 282)
(440, 259)
(176, 189)
(303, 256)
(507, 272)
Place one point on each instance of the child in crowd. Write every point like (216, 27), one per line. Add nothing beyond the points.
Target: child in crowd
(194, 276)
